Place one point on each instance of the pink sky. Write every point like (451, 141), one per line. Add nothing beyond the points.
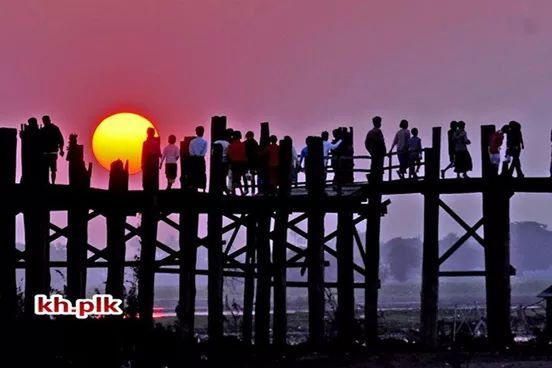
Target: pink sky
(305, 66)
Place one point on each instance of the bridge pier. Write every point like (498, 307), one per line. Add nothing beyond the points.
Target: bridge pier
(36, 218)
(279, 248)
(215, 262)
(430, 263)
(77, 222)
(315, 240)
(345, 278)
(115, 225)
(8, 287)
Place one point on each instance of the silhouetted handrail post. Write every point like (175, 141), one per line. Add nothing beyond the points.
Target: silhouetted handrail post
(36, 216)
(188, 242)
(279, 249)
(115, 220)
(8, 288)
(77, 221)
(430, 263)
(496, 214)
(314, 171)
(148, 230)
(214, 241)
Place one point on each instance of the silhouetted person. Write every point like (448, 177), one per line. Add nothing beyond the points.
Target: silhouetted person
(450, 141)
(224, 142)
(342, 161)
(171, 154)
(198, 150)
(514, 145)
(495, 143)
(151, 152)
(415, 153)
(271, 154)
(401, 141)
(375, 145)
(252, 152)
(327, 146)
(237, 156)
(462, 159)
(32, 159)
(52, 143)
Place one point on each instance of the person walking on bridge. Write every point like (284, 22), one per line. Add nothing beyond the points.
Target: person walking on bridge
(198, 150)
(462, 159)
(495, 142)
(170, 156)
(514, 145)
(52, 143)
(450, 140)
(375, 145)
(401, 141)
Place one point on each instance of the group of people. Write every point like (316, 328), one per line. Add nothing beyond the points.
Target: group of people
(460, 159)
(46, 142)
(408, 149)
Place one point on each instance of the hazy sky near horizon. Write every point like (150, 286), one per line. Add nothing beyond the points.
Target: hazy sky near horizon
(305, 66)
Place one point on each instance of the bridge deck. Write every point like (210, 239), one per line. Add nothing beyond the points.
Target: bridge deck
(62, 197)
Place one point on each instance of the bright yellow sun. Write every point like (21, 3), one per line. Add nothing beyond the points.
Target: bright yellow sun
(120, 136)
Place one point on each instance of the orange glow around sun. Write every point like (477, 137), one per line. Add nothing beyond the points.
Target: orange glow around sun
(120, 136)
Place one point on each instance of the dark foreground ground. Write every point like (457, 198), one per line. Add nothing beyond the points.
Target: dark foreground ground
(109, 343)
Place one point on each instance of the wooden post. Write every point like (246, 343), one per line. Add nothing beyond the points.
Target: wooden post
(8, 293)
(36, 216)
(315, 240)
(345, 277)
(115, 223)
(214, 244)
(148, 230)
(430, 264)
(279, 252)
(77, 222)
(372, 281)
(496, 212)
(249, 282)
(262, 301)
(185, 167)
(188, 232)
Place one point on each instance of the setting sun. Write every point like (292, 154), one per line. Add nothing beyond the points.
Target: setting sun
(120, 136)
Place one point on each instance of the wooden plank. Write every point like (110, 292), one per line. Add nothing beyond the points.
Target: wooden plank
(262, 300)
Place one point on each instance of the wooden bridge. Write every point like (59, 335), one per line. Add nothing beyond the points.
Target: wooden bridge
(268, 252)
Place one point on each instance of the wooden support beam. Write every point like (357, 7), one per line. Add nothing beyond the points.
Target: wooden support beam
(430, 263)
(262, 300)
(77, 222)
(188, 237)
(215, 318)
(314, 170)
(115, 223)
(148, 229)
(36, 216)
(345, 278)
(8, 291)
(496, 212)
(249, 278)
(279, 252)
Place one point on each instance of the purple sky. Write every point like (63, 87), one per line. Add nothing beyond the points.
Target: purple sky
(305, 66)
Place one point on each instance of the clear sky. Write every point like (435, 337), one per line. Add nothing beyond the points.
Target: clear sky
(305, 66)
